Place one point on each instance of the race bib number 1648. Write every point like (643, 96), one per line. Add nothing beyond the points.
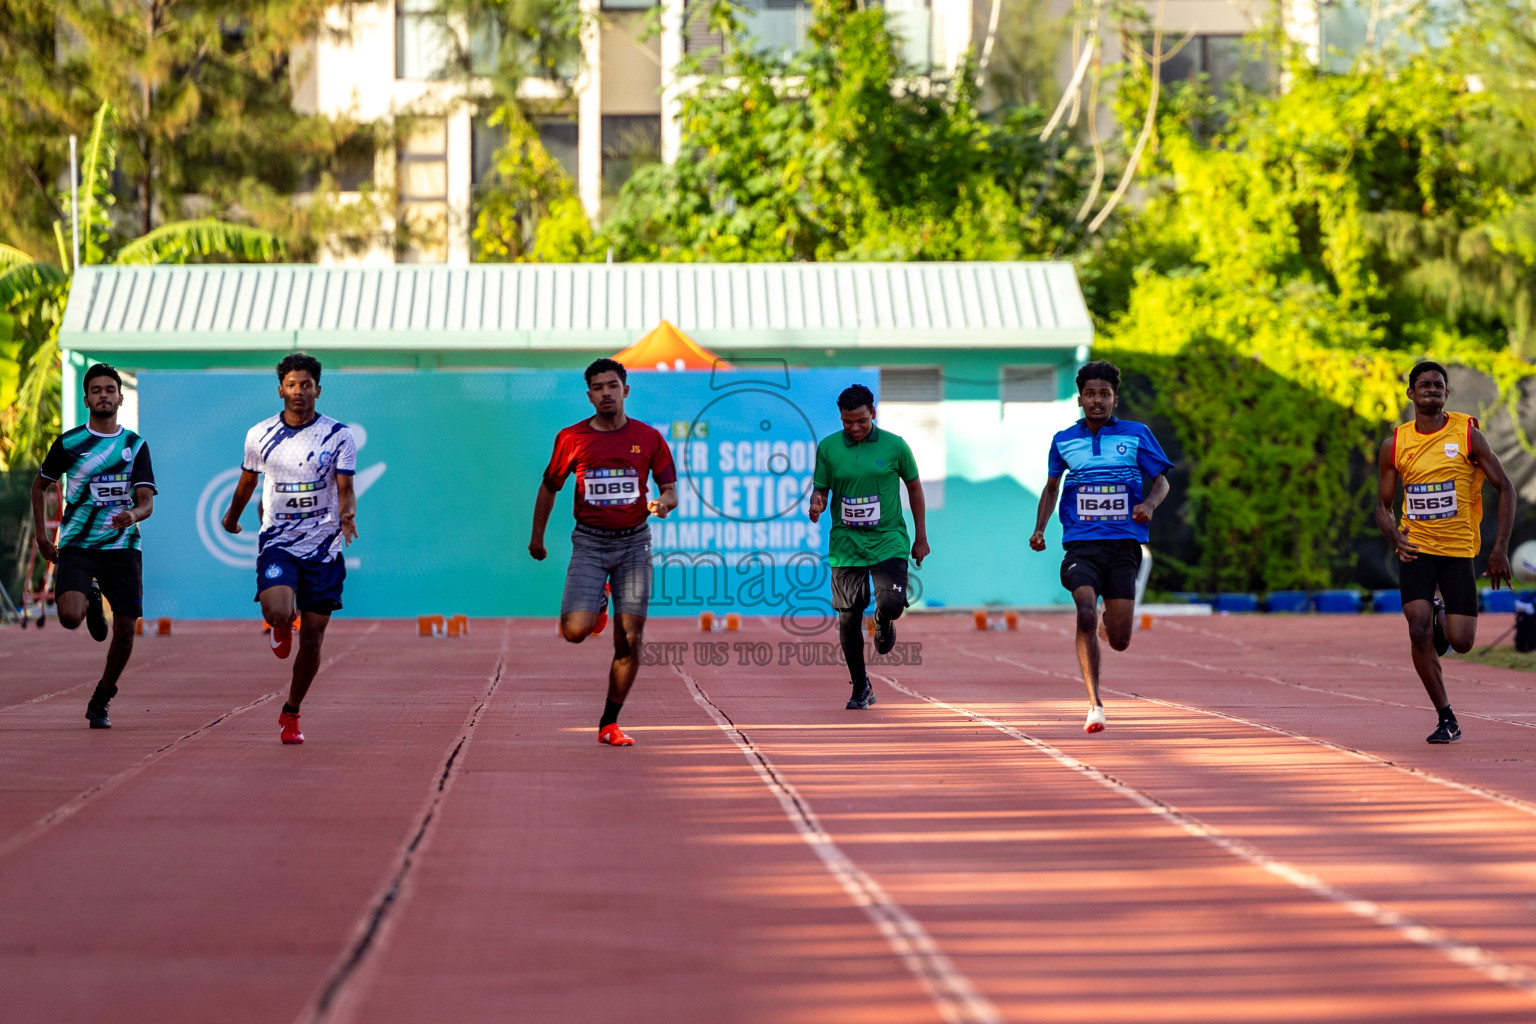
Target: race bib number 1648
(1097, 503)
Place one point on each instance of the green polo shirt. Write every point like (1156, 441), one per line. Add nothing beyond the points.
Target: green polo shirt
(865, 503)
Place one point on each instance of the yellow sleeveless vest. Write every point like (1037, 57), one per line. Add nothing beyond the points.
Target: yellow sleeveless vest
(1442, 487)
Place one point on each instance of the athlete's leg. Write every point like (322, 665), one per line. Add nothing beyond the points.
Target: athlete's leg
(69, 608)
(850, 635)
(277, 606)
(1421, 638)
(577, 626)
(592, 560)
(1119, 618)
(628, 635)
(1461, 631)
(118, 651)
(307, 662)
(1087, 601)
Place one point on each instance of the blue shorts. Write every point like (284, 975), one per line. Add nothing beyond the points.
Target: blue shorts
(317, 584)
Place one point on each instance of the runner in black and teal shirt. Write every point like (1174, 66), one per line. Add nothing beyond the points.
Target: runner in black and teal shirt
(860, 466)
(109, 488)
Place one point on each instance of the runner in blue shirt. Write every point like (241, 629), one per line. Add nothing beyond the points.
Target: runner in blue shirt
(1104, 516)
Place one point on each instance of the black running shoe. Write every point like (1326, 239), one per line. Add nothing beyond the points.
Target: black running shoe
(885, 636)
(1445, 732)
(863, 696)
(96, 710)
(1442, 642)
(95, 618)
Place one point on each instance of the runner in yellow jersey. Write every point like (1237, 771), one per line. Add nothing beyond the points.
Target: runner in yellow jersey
(1443, 460)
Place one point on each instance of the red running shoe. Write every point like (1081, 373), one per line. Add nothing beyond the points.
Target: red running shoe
(282, 639)
(290, 724)
(602, 613)
(613, 736)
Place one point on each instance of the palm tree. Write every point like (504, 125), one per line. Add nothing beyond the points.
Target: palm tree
(33, 293)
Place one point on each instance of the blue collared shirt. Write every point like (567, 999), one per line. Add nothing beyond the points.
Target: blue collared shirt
(1104, 478)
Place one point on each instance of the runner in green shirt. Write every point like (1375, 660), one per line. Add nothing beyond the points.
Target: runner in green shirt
(860, 465)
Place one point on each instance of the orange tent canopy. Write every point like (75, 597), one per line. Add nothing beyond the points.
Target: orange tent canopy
(667, 348)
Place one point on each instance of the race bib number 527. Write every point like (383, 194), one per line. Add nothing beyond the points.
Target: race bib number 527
(861, 511)
(1098, 503)
(605, 487)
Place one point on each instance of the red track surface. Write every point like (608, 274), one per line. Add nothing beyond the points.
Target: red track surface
(1261, 835)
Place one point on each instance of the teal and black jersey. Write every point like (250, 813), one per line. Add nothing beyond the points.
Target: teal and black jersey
(100, 474)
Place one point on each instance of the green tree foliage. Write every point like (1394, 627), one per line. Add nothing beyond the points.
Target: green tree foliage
(204, 95)
(33, 292)
(1287, 269)
(841, 151)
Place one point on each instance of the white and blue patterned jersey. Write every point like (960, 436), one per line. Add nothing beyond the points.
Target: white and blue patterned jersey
(1104, 477)
(300, 512)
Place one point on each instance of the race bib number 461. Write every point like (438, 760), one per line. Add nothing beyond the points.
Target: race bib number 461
(861, 511)
(610, 486)
(109, 489)
(1098, 503)
(300, 501)
(1429, 501)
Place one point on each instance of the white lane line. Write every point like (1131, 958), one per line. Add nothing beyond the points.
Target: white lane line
(951, 991)
(71, 807)
(1512, 802)
(1462, 953)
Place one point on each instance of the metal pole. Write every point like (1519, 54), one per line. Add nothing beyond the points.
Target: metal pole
(74, 204)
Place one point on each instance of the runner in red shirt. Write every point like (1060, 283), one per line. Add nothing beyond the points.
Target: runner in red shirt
(611, 456)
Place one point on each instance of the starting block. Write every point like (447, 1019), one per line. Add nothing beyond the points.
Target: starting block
(709, 623)
(1146, 620)
(984, 621)
(162, 626)
(431, 625)
(706, 621)
(458, 625)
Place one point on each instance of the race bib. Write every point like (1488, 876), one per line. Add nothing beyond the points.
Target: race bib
(1098, 503)
(1429, 501)
(110, 489)
(300, 501)
(861, 511)
(604, 487)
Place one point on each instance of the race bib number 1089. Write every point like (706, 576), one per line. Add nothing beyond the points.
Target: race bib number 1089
(604, 487)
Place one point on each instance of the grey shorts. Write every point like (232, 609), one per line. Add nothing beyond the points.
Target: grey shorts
(623, 562)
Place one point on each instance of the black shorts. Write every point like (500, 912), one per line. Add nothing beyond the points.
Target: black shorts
(1455, 576)
(119, 573)
(850, 584)
(316, 585)
(1108, 566)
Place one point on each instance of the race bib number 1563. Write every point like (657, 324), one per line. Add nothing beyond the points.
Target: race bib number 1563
(1429, 501)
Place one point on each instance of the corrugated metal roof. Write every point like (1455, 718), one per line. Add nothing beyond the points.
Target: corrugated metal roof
(576, 305)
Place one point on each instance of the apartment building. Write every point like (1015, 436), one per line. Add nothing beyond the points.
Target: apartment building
(386, 60)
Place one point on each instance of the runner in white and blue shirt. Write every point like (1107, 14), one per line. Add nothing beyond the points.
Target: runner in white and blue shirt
(309, 513)
(1104, 515)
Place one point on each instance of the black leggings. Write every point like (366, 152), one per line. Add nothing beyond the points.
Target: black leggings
(890, 593)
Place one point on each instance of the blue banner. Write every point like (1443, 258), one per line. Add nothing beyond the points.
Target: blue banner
(447, 472)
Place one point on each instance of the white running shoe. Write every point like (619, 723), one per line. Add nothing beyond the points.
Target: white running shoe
(1095, 721)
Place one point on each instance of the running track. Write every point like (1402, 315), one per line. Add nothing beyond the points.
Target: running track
(1261, 835)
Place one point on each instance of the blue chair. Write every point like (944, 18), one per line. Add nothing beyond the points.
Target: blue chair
(1338, 602)
(1287, 601)
(1498, 601)
(1387, 601)
(1236, 603)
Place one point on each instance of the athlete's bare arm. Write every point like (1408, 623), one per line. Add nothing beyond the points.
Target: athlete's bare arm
(1142, 513)
(40, 485)
(1386, 494)
(919, 507)
(543, 504)
(1488, 462)
(1043, 513)
(664, 502)
(244, 488)
(346, 502)
(143, 508)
